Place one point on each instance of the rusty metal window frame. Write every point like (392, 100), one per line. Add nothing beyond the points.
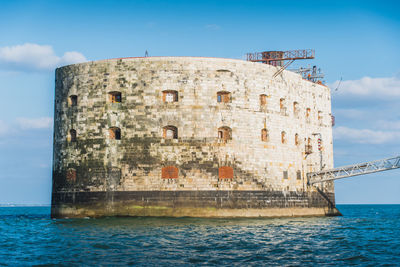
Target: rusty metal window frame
(223, 97)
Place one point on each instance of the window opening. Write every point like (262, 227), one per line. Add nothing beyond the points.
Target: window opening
(115, 97)
(72, 135)
(170, 132)
(285, 174)
(308, 111)
(170, 96)
(223, 97)
(264, 135)
(73, 100)
(283, 137)
(295, 108)
(115, 133)
(320, 117)
(298, 174)
(71, 175)
(224, 133)
(308, 146)
(263, 100)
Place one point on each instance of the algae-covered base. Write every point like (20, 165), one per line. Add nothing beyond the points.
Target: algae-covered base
(210, 204)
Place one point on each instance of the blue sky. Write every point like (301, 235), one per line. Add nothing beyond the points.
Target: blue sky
(357, 41)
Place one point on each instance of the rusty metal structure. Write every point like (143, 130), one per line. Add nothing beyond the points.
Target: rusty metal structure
(277, 58)
(313, 74)
(280, 58)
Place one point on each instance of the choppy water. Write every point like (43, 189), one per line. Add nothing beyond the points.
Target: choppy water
(365, 235)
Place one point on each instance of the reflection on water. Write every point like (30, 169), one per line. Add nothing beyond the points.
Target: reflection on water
(366, 234)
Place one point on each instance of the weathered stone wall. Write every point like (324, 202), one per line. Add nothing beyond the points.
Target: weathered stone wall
(97, 163)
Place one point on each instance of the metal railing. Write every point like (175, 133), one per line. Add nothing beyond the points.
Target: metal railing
(269, 56)
(353, 170)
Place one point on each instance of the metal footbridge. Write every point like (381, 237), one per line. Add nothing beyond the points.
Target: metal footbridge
(353, 170)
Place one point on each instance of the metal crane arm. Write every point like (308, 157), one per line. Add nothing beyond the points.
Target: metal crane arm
(353, 170)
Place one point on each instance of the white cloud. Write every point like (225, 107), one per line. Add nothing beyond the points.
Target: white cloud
(365, 136)
(386, 88)
(350, 113)
(213, 27)
(4, 128)
(35, 123)
(391, 125)
(35, 57)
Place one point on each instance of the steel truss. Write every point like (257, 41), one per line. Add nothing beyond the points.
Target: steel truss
(353, 170)
(270, 56)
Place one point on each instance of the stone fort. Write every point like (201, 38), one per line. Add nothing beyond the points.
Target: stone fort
(189, 136)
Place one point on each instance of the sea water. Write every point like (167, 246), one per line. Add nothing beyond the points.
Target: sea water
(364, 235)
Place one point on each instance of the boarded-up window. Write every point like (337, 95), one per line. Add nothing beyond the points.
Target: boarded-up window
(298, 174)
(283, 137)
(72, 135)
(115, 97)
(71, 175)
(115, 133)
(170, 96)
(224, 133)
(263, 100)
(264, 135)
(169, 172)
(285, 174)
(296, 139)
(72, 100)
(225, 172)
(223, 97)
(170, 132)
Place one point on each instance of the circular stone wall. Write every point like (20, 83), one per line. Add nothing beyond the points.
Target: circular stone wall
(186, 125)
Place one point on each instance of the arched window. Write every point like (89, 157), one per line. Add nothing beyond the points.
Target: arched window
(283, 137)
(282, 106)
(320, 117)
(295, 108)
(169, 172)
(170, 96)
(170, 132)
(115, 133)
(115, 97)
(263, 100)
(72, 135)
(72, 100)
(264, 135)
(224, 133)
(223, 97)
(225, 172)
(296, 139)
